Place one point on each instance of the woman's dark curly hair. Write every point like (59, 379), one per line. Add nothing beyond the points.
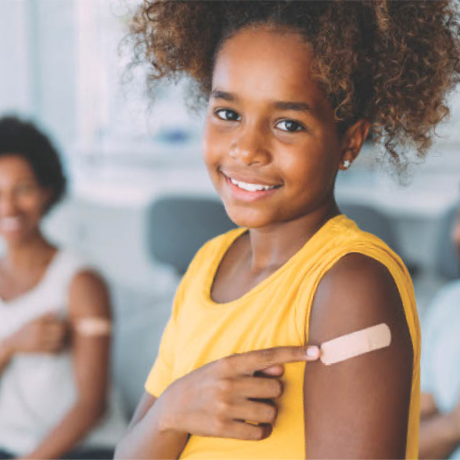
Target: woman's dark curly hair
(24, 138)
(392, 62)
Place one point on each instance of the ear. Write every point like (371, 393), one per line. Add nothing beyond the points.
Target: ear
(352, 142)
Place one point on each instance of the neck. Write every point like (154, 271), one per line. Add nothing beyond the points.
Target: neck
(29, 253)
(273, 246)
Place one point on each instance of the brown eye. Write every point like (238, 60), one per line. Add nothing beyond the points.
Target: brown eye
(290, 126)
(227, 115)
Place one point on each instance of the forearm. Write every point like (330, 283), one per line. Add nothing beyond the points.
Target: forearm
(75, 425)
(439, 436)
(6, 354)
(149, 439)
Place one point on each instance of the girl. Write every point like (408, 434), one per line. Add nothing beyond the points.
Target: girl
(54, 347)
(293, 89)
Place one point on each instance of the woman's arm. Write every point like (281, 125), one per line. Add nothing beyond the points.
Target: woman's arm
(5, 355)
(439, 433)
(88, 297)
(358, 408)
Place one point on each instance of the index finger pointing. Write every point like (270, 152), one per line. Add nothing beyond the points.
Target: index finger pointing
(258, 360)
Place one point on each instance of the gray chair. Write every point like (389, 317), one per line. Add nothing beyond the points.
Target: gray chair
(373, 221)
(176, 227)
(446, 258)
(179, 225)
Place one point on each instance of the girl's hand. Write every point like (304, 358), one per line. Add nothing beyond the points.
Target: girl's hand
(46, 334)
(220, 398)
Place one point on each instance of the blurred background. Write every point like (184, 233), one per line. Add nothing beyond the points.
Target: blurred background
(62, 68)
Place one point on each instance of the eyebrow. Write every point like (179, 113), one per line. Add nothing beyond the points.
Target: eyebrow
(280, 105)
(292, 105)
(218, 94)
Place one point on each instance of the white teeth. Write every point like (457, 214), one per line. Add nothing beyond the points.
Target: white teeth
(10, 224)
(252, 187)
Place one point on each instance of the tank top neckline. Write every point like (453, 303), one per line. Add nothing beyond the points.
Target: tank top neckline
(36, 287)
(232, 236)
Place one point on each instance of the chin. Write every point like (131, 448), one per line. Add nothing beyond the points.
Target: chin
(11, 239)
(15, 238)
(248, 218)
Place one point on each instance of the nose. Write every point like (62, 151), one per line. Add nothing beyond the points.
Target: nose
(249, 147)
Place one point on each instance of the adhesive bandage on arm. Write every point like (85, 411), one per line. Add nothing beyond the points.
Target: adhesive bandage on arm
(355, 344)
(93, 326)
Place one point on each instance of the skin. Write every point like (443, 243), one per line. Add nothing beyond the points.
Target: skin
(27, 257)
(259, 131)
(440, 432)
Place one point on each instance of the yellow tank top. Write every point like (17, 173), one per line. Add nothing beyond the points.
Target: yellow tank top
(276, 312)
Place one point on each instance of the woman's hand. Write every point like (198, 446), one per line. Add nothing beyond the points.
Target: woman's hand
(46, 334)
(220, 398)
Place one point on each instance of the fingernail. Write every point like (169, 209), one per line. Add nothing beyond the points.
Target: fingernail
(312, 351)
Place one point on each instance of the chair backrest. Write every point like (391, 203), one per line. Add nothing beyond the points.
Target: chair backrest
(446, 258)
(373, 221)
(177, 226)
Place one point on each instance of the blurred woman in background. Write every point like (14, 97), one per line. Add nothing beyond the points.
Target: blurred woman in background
(55, 318)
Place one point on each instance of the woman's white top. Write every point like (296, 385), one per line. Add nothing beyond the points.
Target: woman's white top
(36, 390)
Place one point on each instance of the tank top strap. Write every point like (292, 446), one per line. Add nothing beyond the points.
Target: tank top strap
(56, 283)
(65, 267)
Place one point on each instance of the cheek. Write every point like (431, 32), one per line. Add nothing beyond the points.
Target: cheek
(34, 203)
(306, 164)
(213, 146)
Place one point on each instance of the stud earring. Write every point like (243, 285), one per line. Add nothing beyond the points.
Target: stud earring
(346, 163)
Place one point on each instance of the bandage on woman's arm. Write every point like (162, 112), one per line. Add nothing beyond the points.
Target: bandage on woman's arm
(358, 407)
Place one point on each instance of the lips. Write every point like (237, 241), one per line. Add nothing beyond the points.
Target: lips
(248, 196)
(248, 179)
(10, 224)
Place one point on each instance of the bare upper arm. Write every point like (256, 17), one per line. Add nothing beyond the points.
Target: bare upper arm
(89, 297)
(358, 408)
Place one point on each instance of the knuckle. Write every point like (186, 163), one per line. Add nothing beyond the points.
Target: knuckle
(277, 388)
(225, 387)
(225, 364)
(271, 414)
(268, 354)
(220, 425)
(223, 408)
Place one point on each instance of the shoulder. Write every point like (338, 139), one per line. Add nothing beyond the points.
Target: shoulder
(357, 292)
(71, 260)
(88, 293)
(82, 273)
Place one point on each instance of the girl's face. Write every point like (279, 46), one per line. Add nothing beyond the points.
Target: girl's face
(270, 142)
(22, 199)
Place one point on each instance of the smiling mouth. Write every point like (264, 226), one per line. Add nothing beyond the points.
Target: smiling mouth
(10, 224)
(250, 187)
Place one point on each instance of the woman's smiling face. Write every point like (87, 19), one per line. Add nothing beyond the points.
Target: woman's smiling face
(22, 199)
(268, 124)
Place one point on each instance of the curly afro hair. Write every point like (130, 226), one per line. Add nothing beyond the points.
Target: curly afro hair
(391, 62)
(23, 138)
